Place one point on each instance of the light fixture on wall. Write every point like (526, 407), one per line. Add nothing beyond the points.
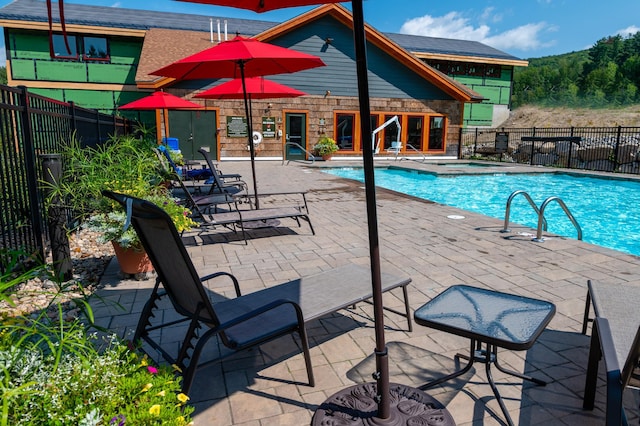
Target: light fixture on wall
(321, 125)
(268, 108)
(327, 93)
(328, 40)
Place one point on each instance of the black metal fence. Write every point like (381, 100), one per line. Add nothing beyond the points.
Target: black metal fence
(609, 149)
(32, 126)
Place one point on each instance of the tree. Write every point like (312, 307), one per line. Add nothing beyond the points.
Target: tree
(3, 75)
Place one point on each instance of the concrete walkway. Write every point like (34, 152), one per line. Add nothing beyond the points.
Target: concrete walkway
(418, 239)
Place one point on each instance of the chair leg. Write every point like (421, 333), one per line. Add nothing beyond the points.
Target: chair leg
(615, 412)
(307, 355)
(587, 307)
(595, 354)
(407, 308)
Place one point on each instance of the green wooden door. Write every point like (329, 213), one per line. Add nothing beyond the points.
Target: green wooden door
(194, 130)
(296, 136)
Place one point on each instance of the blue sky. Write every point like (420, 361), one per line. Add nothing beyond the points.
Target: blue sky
(523, 28)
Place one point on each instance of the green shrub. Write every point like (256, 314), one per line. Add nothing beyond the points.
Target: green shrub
(56, 372)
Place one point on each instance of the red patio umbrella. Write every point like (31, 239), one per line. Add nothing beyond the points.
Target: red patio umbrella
(257, 88)
(383, 397)
(160, 100)
(240, 58)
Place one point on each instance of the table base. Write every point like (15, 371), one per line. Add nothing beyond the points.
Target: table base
(357, 405)
(486, 356)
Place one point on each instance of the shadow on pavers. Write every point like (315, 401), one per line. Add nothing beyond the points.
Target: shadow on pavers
(414, 366)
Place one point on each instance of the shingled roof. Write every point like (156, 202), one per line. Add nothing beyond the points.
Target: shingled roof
(111, 17)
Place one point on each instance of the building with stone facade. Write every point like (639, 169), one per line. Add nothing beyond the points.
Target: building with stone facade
(433, 86)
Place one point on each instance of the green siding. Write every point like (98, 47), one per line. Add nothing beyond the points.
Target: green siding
(478, 114)
(109, 73)
(57, 94)
(23, 69)
(61, 71)
(27, 45)
(505, 96)
(124, 52)
(97, 99)
(492, 94)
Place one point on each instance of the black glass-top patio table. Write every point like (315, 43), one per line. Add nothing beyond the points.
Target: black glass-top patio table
(487, 317)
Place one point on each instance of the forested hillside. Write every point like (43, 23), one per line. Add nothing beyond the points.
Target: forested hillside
(606, 75)
(3, 75)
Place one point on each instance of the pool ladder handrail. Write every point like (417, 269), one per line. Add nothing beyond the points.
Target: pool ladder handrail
(310, 157)
(507, 212)
(566, 210)
(542, 221)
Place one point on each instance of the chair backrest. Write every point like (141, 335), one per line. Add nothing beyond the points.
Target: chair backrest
(217, 180)
(169, 257)
(190, 202)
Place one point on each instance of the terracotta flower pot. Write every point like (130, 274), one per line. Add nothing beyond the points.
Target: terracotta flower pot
(327, 157)
(132, 261)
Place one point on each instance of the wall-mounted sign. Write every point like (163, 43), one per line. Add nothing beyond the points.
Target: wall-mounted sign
(268, 127)
(237, 127)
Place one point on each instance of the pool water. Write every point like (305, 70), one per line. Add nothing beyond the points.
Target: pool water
(607, 210)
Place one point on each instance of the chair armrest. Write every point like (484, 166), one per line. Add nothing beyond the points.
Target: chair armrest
(236, 285)
(607, 345)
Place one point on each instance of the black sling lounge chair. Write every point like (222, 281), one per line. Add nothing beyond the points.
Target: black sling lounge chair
(246, 320)
(231, 184)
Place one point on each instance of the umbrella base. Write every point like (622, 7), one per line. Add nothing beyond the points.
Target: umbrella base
(356, 406)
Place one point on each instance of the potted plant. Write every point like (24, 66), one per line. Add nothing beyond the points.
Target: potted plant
(123, 164)
(325, 147)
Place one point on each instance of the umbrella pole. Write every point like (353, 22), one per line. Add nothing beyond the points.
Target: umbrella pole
(250, 131)
(382, 361)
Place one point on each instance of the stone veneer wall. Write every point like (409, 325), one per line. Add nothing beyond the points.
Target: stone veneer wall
(317, 107)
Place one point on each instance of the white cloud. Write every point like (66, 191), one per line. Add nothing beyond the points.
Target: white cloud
(117, 4)
(3, 56)
(454, 25)
(451, 25)
(625, 32)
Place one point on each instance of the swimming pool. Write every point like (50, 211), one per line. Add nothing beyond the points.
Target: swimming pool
(608, 210)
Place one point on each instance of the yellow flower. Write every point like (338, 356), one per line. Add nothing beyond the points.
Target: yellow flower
(161, 393)
(143, 362)
(183, 398)
(154, 410)
(147, 387)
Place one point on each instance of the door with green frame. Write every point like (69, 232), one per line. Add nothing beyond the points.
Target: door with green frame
(194, 130)
(296, 136)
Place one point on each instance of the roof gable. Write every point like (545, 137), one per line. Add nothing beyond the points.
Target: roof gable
(379, 40)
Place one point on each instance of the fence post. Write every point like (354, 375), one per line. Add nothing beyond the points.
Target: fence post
(74, 122)
(60, 251)
(31, 174)
(460, 143)
(533, 145)
(475, 142)
(617, 149)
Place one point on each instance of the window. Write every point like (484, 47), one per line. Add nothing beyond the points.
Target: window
(95, 49)
(414, 132)
(390, 132)
(344, 134)
(60, 50)
(436, 133)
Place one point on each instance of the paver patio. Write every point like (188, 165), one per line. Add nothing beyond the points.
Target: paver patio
(418, 239)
